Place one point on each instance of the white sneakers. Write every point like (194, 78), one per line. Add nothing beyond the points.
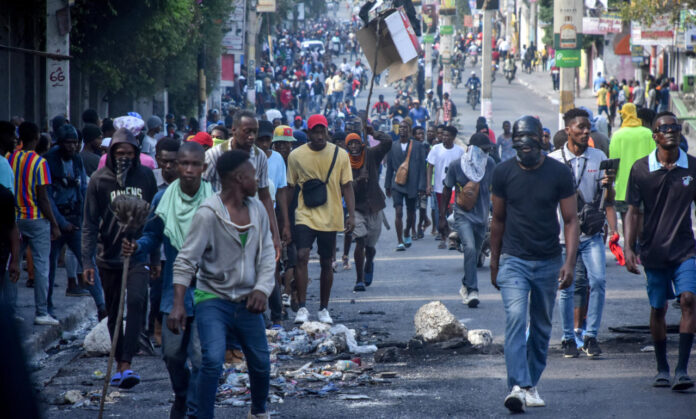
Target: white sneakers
(302, 315)
(515, 401)
(324, 316)
(519, 398)
(47, 320)
(471, 299)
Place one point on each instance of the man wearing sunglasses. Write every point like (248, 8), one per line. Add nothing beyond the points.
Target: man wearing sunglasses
(664, 183)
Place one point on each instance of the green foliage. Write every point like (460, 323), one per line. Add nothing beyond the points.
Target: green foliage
(645, 11)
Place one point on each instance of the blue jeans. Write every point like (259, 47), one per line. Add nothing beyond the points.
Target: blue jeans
(471, 236)
(74, 242)
(176, 350)
(37, 235)
(527, 286)
(594, 259)
(216, 319)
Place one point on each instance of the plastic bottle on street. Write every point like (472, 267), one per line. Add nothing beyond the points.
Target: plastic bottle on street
(346, 365)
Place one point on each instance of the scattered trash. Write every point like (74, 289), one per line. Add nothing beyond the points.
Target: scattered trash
(98, 341)
(387, 374)
(390, 354)
(435, 323)
(648, 348)
(346, 365)
(353, 397)
(72, 396)
(378, 313)
(98, 374)
(480, 337)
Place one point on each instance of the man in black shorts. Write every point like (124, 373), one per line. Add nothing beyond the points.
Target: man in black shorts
(664, 182)
(412, 154)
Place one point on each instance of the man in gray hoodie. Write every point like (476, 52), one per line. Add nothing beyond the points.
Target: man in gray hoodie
(229, 248)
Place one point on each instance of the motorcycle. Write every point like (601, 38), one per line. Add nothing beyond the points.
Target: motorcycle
(494, 69)
(509, 75)
(474, 97)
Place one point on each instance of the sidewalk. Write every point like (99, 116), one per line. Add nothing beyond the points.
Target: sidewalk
(71, 311)
(540, 83)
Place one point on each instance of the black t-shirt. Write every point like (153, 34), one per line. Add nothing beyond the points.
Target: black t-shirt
(666, 195)
(7, 224)
(531, 198)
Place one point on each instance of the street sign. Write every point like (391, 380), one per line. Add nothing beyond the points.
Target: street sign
(567, 25)
(446, 30)
(428, 38)
(568, 58)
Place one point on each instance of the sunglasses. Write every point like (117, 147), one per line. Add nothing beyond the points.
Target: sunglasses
(669, 127)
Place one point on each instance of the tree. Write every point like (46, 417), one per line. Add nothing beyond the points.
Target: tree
(645, 11)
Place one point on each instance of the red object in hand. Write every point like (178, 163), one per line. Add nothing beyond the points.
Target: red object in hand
(616, 249)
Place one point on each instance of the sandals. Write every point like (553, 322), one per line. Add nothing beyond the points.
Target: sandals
(682, 382)
(661, 379)
(129, 380)
(116, 379)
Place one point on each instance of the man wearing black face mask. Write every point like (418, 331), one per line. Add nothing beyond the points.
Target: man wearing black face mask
(526, 192)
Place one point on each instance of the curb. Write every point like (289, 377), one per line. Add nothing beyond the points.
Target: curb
(529, 86)
(74, 315)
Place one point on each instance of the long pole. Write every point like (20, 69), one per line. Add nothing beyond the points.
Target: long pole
(251, 56)
(486, 61)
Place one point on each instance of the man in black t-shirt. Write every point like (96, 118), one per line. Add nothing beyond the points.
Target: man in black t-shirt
(526, 192)
(664, 183)
(9, 249)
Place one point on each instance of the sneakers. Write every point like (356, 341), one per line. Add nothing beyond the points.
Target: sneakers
(473, 299)
(76, 292)
(264, 415)
(400, 248)
(359, 286)
(18, 318)
(346, 262)
(47, 320)
(515, 401)
(286, 300)
(302, 315)
(532, 398)
(464, 293)
(407, 242)
(591, 347)
(570, 349)
(324, 316)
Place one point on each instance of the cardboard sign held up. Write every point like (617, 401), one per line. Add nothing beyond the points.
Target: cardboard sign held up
(398, 46)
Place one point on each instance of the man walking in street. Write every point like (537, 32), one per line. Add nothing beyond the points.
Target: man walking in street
(369, 201)
(322, 172)
(409, 154)
(471, 177)
(229, 250)
(122, 175)
(524, 230)
(170, 220)
(663, 183)
(584, 163)
(35, 219)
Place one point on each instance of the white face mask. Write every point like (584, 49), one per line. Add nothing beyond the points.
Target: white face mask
(473, 163)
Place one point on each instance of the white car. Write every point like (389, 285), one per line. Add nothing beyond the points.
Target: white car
(313, 45)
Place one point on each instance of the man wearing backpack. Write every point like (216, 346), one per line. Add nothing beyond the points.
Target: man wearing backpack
(584, 163)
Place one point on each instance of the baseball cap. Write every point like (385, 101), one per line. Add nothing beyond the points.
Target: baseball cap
(298, 118)
(315, 120)
(265, 129)
(202, 138)
(283, 133)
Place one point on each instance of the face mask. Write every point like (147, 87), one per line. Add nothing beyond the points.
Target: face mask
(530, 158)
(123, 164)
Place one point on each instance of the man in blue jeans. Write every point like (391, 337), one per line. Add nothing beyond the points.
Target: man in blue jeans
(526, 192)
(584, 163)
(664, 183)
(229, 248)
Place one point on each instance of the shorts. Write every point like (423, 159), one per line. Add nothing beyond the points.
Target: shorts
(368, 226)
(398, 198)
(290, 260)
(326, 240)
(422, 202)
(660, 281)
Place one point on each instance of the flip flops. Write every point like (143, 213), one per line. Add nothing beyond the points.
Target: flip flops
(116, 379)
(661, 379)
(129, 380)
(682, 382)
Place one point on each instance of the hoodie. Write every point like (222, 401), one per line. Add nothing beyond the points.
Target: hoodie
(100, 225)
(213, 252)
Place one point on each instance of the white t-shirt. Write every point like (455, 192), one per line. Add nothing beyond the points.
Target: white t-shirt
(440, 158)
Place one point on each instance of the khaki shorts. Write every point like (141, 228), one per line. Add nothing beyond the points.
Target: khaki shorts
(368, 226)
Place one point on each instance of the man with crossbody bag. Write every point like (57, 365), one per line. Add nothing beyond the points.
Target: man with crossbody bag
(584, 163)
(322, 172)
(471, 176)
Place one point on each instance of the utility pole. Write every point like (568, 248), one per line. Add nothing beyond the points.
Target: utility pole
(202, 96)
(486, 62)
(57, 71)
(428, 41)
(446, 43)
(251, 56)
(567, 16)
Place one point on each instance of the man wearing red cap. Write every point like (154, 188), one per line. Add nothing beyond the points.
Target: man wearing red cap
(323, 173)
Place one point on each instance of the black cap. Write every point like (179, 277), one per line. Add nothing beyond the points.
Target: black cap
(480, 140)
(527, 125)
(265, 129)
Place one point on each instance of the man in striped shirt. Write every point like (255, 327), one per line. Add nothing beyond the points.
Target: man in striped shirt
(35, 220)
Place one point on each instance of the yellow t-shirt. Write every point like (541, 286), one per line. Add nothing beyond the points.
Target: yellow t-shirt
(602, 97)
(304, 164)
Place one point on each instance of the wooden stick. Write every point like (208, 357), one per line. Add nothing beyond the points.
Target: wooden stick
(117, 330)
(372, 81)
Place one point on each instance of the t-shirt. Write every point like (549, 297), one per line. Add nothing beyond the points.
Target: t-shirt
(602, 97)
(90, 161)
(506, 150)
(277, 173)
(6, 174)
(666, 195)
(7, 223)
(440, 157)
(30, 170)
(256, 157)
(456, 177)
(305, 164)
(628, 144)
(148, 146)
(531, 198)
(419, 115)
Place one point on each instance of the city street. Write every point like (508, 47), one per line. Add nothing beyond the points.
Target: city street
(434, 382)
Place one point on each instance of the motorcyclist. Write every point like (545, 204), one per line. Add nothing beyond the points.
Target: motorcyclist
(473, 83)
(510, 65)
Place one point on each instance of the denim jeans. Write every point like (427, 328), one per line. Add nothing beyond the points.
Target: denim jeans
(176, 350)
(74, 242)
(594, 259)
(37, 235)
(527, 286)
(471, 236)
(216, 319)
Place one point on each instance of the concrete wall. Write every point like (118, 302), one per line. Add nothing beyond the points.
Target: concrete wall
(618, 66)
